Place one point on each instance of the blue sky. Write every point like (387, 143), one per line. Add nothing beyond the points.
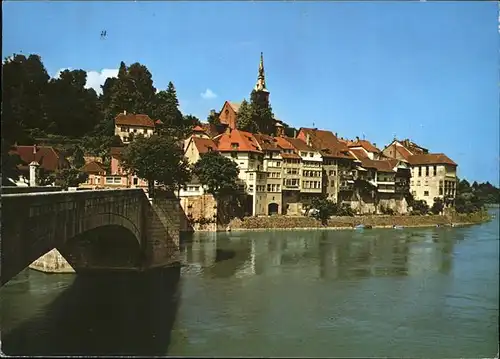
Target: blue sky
(427, 71)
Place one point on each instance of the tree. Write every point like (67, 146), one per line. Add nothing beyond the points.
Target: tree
(69, 177)
(157, 158)
(262, 113)
(438, 206)
(167, 111)
(191, 121)
(217, 173)
(420, 207)
(78, 158)
(10, 163)
(324, 207)
(24, 87)
(132, 91)
(73, 110)
(245, 120)
(213, 118)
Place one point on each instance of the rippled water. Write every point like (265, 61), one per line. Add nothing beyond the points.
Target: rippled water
(399, 293)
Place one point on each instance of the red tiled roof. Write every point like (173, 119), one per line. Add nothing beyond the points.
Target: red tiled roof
(204, 145)
(431, 159)
(299, 145)
(365, 144)
(47, 157)
(327, 143)
(244, 141)
(404, 152)
(134, 120)
(198, 128)
(266, 142)
(359, 153)
(284, 144)
(94, 167)
(379, 165)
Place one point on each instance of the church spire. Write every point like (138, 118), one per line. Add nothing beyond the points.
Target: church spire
(261, 79)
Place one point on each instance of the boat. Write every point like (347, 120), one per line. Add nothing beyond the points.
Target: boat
(359, 226)
(397, 226)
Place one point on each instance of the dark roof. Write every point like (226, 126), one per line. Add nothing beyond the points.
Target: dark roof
(266, 142)
(47, 157)
(431, 159)
(94, 167)
(134, 120)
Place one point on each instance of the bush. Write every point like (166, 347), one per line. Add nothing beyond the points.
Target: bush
(438, 206)
(420, 208)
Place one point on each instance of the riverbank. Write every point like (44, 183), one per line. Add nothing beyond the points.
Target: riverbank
(375, 221)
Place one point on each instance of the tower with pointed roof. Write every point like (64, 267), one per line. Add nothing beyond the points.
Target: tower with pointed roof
(260, 86)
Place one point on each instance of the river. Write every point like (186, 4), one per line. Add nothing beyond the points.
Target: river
(382, 292)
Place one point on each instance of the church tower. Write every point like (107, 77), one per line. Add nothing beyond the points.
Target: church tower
(260, 86)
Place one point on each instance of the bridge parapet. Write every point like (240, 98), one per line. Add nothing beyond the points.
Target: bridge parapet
(35, 223)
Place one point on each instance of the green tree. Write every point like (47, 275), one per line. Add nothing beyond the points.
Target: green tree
(78, 158)
(10, 163)
(167, 111)
(157, 158)
(69, 177)
(217, 173)
(191, 121)
(213, 118)
(262, 113)
(420, 207)
(24, 88)
(324, 207)
(132, 91)
(73, 109)
(245, 120)
(438, 206)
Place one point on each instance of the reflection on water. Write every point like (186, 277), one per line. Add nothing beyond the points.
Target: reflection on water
(304, 293)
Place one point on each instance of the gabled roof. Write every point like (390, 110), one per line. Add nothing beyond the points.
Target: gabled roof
(380, 165)
(359, 153)
(300, 145)
(364, 144)
(431, 159)
(234, 105)
(282, 143)
(134, 120)
(244, 141)
(327, 143)
(94, 167)
(198, 128)
(204, 145)
(47, 157)
(266, 142)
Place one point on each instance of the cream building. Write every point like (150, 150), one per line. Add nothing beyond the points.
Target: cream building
(127, 126)
(432, 174)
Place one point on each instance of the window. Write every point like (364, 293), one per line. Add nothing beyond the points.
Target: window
(117, 180)
(250, 187)
(209, 149)
(303, 154)
(434, 168)
(332, 184)
(136, 180)
(426, 193)
(268, 188)
(235, 145)
(440, 190)
(426, 171)
(418, 183)
(419, 172)
(109, 180)
(311, 154)
(234, 154)
(250, 176)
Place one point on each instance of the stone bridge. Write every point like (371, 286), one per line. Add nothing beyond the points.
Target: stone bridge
(93, 230)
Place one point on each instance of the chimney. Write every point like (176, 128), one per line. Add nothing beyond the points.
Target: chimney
(336, 133)
(374, 144)
(357, 138)
(33, 169)
(124, 112)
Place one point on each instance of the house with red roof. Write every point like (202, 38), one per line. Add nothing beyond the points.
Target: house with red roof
(338, 162)
(128, 125)
(49, 159)
(433, 175)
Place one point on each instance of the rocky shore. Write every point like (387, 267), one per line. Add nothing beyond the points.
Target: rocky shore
(374, 221)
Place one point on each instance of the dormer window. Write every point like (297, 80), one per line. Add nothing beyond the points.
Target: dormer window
(209, 149)
(235, 145)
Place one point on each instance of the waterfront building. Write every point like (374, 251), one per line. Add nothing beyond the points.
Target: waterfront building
(432, 174)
